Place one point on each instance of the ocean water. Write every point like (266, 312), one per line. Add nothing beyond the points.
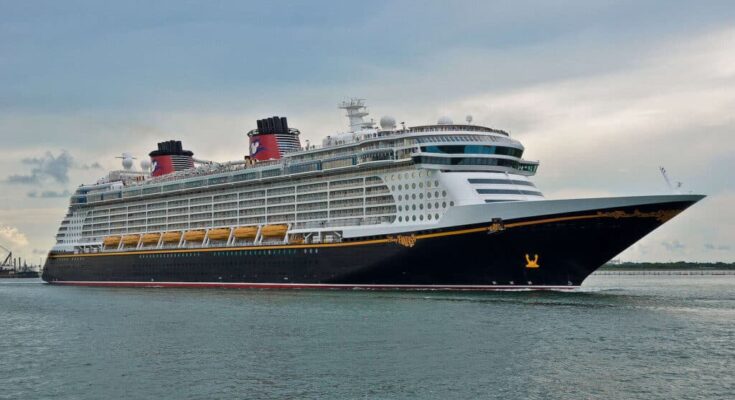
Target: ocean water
(619, 337)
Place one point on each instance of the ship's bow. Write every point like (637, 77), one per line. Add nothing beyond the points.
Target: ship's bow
(561, 242)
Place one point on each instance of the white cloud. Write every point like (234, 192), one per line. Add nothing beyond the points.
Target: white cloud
(12, 237)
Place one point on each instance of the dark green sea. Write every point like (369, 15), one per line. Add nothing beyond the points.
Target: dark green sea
(619, 337)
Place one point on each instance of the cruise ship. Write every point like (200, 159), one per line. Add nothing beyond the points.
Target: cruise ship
(446, 206)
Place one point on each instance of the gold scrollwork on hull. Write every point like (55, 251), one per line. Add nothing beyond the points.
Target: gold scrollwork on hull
(404, 240)
(660, 215)
(497, 225)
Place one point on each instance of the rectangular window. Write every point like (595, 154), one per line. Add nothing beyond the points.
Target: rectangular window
(508, 191)
(499, 181)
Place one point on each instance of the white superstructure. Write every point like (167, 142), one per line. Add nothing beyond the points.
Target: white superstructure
(369, 179)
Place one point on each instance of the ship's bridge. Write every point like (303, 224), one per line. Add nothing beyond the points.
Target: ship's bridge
(445, 147)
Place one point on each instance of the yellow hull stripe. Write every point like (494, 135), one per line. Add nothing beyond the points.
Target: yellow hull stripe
(356, 243)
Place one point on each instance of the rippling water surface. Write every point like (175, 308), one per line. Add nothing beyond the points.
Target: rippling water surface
(619, 337)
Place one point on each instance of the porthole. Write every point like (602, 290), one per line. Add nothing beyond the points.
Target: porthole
(421, 217)
(400, 197)
(393, 187)
(413, 196)
(436, 193)
(413, 218)
(413, 207)
(400, 208)
(421, 195)
(429, 217)
(436, 216)
(421, 185)
(428, 195)
(421, 206)
(428, 205)
(444, 193)
(400, 187)
(400, 218)
(413, 186)
(436, 205)
(413, 174)
(444, 204)
(436, 183)
(451, 204)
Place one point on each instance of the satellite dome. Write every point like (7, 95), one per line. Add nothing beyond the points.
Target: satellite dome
(445, 121)
(145, 165)
(127, 161)
(388, 123)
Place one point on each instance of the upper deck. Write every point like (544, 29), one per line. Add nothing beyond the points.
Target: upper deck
(446, 147)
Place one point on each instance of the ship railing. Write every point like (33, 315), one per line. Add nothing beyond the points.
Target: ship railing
(262, 166)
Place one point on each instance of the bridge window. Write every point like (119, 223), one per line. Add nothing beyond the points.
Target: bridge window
(473, 149)
(501, 162)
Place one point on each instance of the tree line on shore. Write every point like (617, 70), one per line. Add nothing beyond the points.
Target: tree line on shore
(676, 265)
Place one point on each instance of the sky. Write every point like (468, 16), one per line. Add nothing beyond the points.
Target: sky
(602, 93)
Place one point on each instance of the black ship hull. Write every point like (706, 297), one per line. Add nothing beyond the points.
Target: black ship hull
(554, 251)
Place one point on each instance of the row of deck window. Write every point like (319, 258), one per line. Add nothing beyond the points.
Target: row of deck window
(254, 252)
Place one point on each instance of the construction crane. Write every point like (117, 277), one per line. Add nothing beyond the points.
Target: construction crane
(676, 189)
(8, 261)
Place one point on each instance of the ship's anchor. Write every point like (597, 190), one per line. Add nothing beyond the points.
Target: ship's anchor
(532, 263)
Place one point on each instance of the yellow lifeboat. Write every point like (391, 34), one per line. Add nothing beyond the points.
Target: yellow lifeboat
(150, 238)
(169, 237)
(111, 241)
(274, 230)
(194, 236)
(130, 239)
(246, 232)
(219, 234)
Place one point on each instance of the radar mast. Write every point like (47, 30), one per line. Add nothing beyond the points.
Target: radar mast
(356, 110)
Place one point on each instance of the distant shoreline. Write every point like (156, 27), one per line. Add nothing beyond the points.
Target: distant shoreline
(679, 266)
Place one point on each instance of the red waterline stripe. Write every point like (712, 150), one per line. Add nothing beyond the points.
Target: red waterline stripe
(252, 285)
